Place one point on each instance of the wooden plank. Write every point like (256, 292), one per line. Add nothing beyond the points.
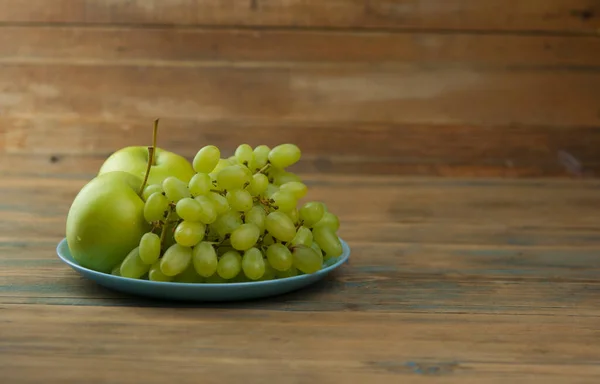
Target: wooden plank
(506, 203)
(146, 46)
(423, 259)
(292, 93)
(49, 229)
(83, 166)
(575, 16)
(548, 203)
(254, 345)
(368, 148)
(490, 245)
(379, 278)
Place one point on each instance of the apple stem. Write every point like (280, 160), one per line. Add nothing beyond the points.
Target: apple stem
(151, 157)
(154, 138)
(150, 160)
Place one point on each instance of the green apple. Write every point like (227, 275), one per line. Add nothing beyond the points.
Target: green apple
(134, 160)
(106, 221)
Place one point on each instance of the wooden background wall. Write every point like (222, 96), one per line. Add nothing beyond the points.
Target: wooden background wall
(409, 87)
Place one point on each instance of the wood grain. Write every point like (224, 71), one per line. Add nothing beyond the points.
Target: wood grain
(106, 45)
(574, 16)
(448, 150)
(460, 280)
(405, 94)
(230, 346)
(521, 203)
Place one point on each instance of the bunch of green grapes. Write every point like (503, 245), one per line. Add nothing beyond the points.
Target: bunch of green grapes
(237, 220)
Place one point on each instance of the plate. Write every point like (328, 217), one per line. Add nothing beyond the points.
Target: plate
(201, 291)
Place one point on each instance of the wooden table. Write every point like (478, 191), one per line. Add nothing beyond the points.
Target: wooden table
(450, 280)
(457, 140)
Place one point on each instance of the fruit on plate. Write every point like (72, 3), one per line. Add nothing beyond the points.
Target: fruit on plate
(235, 219)
(106, 221)
(134, 160)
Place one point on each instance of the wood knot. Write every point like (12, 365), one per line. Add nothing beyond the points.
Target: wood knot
(583, 14)
(54, 159)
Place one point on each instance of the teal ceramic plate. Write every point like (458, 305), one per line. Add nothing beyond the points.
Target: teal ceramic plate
(201, 292)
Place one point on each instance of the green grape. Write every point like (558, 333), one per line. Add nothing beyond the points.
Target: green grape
(285, 177)
(257, 215)
(306, 259)
(253, 264)
(296, 188)
(133, 266)
(220, 165)
(204, 258)
(233, 177)
(284, 155)
(261, 156)
(188, 209)
(268, 240)
(206, 159)
(232, 160)
(220, 203)
(230, 264)
(156, 274)
(227, 223)
(116, 270)
(280, 226)
(189, 275)
(175, 189)
(273, 171)
(156, 207)
(317, 249)
(200, 184)
(294, 214)
(271, 189)
(291, 272)
(150, 189)
(189, 233)
(216, 279)
(329, 220)
(258, 184)
(208, 209)
(175, 260)
(279, 256)
(284, 201)
(245, 155)
(149, 248)
(270, 273)
(245, 236)
(311, 213)
(327, 241)
(303, 237)
(240, 200)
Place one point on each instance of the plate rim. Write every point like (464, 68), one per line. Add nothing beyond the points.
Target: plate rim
(342, 259)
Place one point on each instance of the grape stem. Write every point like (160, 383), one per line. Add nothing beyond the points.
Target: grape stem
(151, 151)
(264, 168)
(163, 233)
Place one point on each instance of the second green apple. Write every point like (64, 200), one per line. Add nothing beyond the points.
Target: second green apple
(134, 160)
